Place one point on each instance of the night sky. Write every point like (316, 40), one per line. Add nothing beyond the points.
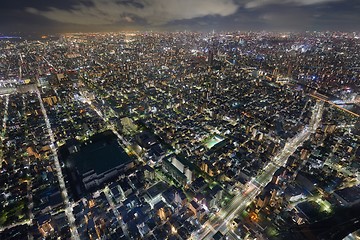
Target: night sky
(174, 15)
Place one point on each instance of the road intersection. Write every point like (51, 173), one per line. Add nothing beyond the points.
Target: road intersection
(221, 220)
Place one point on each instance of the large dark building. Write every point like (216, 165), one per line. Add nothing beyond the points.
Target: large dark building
(97, 160)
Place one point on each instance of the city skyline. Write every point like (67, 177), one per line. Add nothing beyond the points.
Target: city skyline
(161, 15)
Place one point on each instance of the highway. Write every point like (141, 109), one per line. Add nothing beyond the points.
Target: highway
(220, 221)
(68, 205)
(335, 105)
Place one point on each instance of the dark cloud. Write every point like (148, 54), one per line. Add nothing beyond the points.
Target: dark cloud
(42, 4)
(95, 15)
(155, 12)
(260, 3)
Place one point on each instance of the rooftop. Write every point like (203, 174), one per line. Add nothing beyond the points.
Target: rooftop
(100, 154)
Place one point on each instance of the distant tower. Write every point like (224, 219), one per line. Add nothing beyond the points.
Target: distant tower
(211, 58)
(276, 73)
(289, 71)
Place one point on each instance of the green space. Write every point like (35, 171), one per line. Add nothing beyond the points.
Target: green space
(212, 141)
(12, 213)
(271, 231)
(325, 206)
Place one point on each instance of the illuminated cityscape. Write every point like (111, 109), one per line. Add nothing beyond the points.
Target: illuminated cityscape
(180, 120)
(183, 135)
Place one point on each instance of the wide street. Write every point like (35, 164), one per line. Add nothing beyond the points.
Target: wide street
(220, 221)
(68, 205)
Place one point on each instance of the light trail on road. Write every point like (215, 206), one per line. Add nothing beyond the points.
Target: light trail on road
(239, 203)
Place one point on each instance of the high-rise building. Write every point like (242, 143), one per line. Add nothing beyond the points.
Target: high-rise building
(179, 169)
(211, 58)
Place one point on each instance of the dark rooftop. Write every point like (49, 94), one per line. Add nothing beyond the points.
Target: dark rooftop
(100, 154)
(350, 195)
